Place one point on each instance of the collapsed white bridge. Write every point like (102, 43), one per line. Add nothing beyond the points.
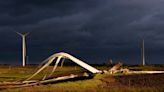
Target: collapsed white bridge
(58, 57)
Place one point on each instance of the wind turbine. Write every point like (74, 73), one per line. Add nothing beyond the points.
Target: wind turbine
(23, 35)
(143, 52)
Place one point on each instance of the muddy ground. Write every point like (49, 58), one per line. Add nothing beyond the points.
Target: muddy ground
(138, 80)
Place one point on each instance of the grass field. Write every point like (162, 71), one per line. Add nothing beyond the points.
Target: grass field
(100, 83)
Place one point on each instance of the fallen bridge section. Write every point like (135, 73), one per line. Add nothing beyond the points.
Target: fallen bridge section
(145, 72)
(58, 57)
(71, 77)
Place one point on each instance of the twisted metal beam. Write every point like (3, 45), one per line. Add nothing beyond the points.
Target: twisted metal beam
(61, 55)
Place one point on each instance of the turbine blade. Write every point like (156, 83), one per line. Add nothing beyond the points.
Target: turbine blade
(27, 33)
(19, 33)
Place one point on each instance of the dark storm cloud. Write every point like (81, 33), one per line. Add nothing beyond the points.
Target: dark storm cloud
(94, 30)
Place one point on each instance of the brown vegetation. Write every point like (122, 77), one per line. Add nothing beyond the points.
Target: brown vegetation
(100, 83)
(138, 80)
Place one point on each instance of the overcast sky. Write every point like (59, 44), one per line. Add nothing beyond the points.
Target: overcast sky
(92, 30)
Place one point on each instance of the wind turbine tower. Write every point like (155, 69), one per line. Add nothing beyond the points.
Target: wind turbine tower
(143, 52)
(23, 35)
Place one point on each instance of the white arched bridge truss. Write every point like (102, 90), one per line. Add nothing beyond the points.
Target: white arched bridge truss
(58, 57)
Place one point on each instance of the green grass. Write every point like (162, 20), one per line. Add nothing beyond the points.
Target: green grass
(146, 68)
(84, 86)
(14, 75)
(90, 85)
(70, 86)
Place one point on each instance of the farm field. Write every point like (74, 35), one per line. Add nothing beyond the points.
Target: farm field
(99, 83)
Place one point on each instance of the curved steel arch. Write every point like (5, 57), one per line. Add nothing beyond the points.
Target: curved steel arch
(61, 55)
